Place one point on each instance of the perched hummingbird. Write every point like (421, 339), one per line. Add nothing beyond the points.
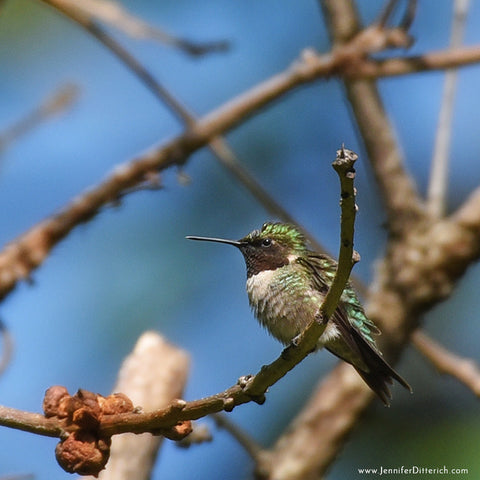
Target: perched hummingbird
(286, 285)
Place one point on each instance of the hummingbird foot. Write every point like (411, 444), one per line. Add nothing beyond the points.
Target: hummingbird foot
(320, 318)
(294, 342)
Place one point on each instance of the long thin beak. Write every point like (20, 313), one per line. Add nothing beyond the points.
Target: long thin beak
(235, 243)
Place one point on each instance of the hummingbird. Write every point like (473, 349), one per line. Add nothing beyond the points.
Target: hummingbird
(286, 285)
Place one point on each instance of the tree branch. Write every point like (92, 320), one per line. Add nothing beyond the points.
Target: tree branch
(112, 13)
(7, 350)
(347, 257)
(438, 185)
(58, 101)
(250, 446)
(398, 191)
(463, 369)
(247, 389)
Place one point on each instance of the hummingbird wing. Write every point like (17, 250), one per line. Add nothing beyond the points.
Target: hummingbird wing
(355, 343)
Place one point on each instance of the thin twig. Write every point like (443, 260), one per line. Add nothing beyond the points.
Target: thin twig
(55, 103)
(401, 199)
(386, 13)
(405, 65)
(463, 369)
(409, 15)
(242, 437)
(117, 16)
(7, 350)
(437, 188)
(344, 166)
(88, 22)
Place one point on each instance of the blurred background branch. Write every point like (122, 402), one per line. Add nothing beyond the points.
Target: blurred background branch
(445, 362)
(55, 103)
(7, 346)
(115, 15)
(438, 186)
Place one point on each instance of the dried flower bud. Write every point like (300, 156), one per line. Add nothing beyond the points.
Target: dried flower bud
(87, 418)
(53, 396)
(67, 406)
(88, 399)
(83, 453)
(116, 403)
(87, 411)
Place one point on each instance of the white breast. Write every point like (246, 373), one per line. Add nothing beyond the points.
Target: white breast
(258, 286)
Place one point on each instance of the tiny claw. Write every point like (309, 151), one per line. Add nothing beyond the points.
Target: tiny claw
(296, 340)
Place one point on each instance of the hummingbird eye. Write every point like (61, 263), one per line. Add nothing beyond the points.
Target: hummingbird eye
(266, 242)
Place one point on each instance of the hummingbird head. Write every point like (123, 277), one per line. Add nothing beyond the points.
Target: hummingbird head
(271, 247)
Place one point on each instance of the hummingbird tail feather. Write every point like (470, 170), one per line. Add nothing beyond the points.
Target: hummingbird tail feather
(379, 374)
(373, 369)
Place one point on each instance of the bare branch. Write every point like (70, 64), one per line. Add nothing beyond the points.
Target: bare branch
(441, 60)
(347, 257)
(468, 215)
(74, 12)
(115, 15)
(409, 15)
(7, 350)
(437, 188)
(401, 199)
(386, 13)
(247, 442)
(58, 101)
(463, 369)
